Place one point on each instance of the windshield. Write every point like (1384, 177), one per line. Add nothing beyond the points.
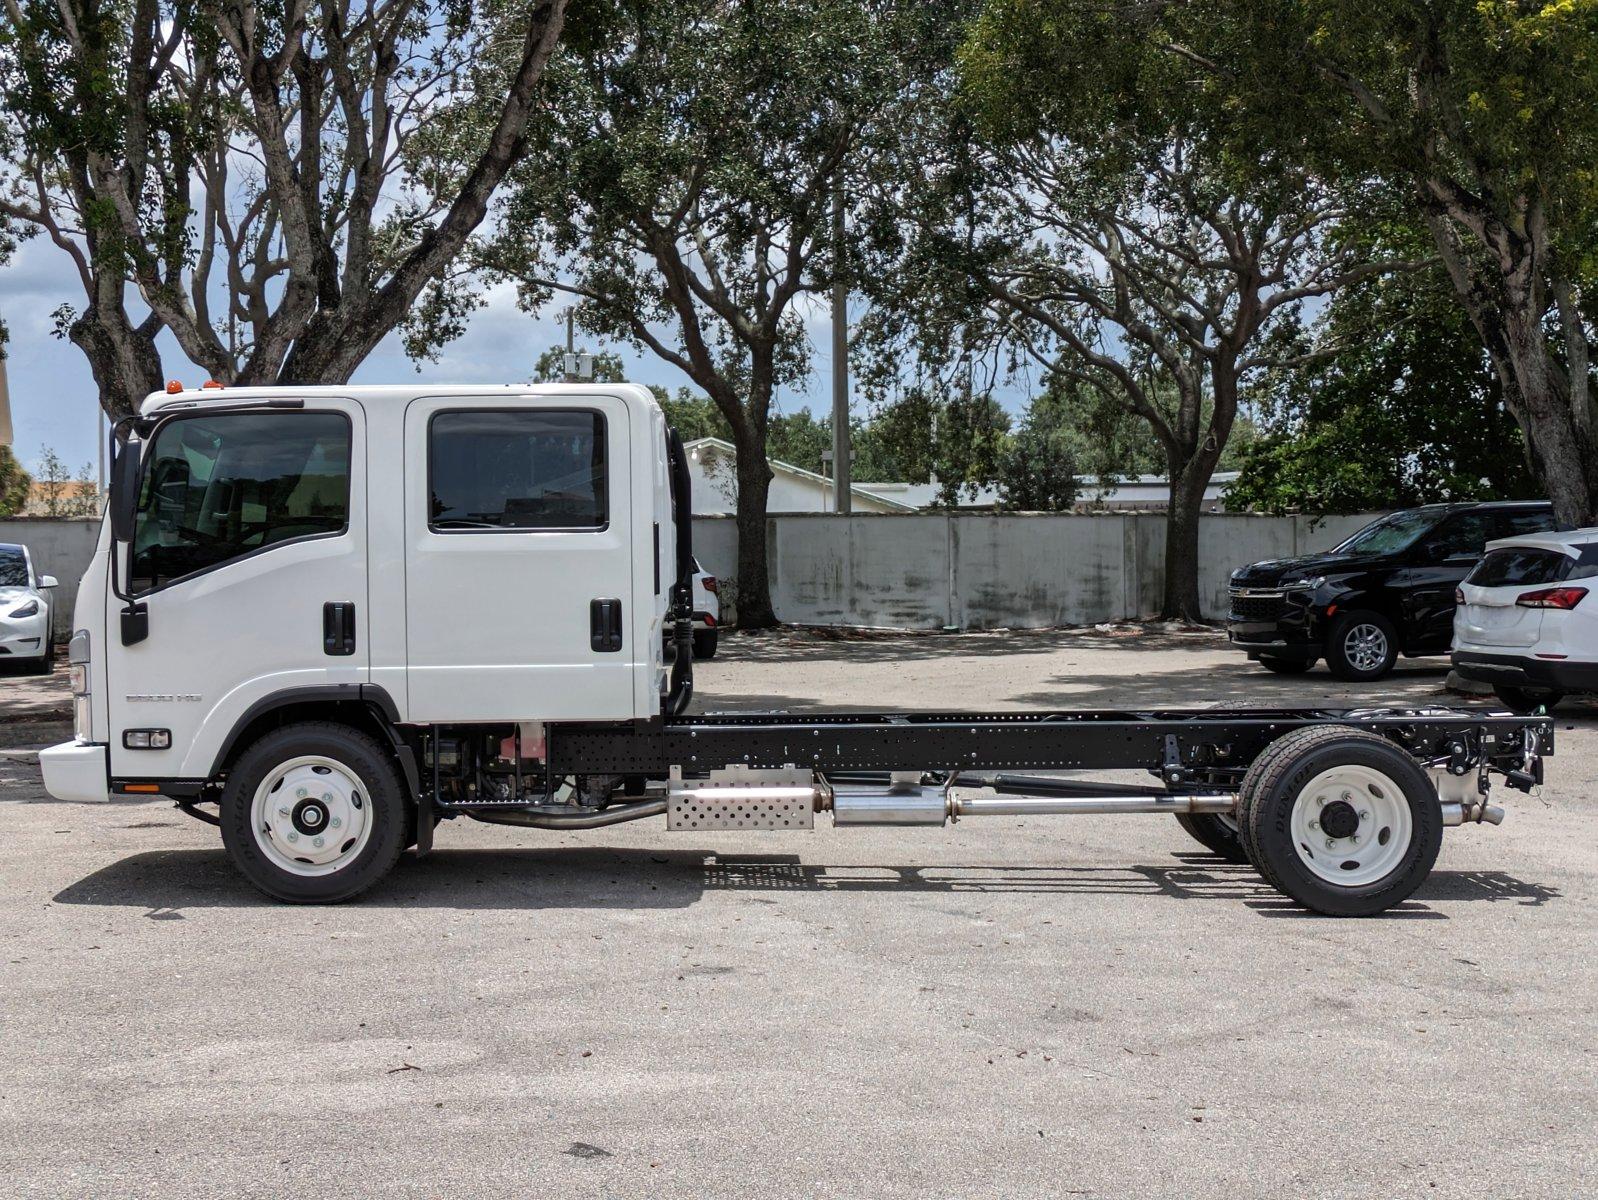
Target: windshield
(1394, 532)
(13, 567)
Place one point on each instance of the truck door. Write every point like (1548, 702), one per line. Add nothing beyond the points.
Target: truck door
(249, 551)
(518, 559)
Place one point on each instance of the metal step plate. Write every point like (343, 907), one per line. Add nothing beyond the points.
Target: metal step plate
(743, 798)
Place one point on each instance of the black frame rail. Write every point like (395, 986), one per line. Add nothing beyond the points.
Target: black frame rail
(1182, 746)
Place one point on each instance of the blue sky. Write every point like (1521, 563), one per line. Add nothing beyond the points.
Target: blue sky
(53, 398)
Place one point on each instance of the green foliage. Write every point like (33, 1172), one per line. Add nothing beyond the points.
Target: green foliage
(1403, 408)
(14, 483)
(60, 498)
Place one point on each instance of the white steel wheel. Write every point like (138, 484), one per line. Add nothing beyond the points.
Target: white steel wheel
(315, 812)
(311, 815)
(1340, 820)
(1351, 825)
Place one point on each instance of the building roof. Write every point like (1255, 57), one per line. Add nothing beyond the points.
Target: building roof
(855, 489)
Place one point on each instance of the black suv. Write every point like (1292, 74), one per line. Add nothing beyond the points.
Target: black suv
(1388, 589)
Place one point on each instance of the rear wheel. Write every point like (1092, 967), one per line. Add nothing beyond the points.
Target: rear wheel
(1526, 700)
(704, 643)
(1286, 666)
(1341, 821)
(1217, 831)
(1361, 645)
(314, 813)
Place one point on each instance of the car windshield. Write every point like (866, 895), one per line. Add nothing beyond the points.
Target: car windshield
(13, 567)
(1394, 532)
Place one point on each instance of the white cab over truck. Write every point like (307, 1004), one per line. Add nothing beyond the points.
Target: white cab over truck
(325, 619)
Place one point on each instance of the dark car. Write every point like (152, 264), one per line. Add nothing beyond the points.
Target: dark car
(1387, 590)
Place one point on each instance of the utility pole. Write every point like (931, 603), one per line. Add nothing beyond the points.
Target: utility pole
(841, 455)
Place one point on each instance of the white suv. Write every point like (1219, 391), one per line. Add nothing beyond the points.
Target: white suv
(1525, 622)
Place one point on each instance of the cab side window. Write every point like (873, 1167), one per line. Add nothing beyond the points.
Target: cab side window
(218, 488)
(499, 470)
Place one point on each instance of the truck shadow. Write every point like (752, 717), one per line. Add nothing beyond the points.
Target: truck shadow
(168, 881)
(1196, 877)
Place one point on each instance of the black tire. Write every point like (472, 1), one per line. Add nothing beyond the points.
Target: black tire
(1286, 666)
(1216, 833)
(704, 643)
(1361, 645)
(42, 665)
(379, 787)
(1274, 786)
(1526, 700)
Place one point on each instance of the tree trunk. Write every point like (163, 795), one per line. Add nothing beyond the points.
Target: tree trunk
(1188, 482)
(122, 357)
(1507, 303)
(754, 583)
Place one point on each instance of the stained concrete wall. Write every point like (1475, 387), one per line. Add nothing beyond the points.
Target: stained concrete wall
(913, 571)
(59, 546)
(995, 571)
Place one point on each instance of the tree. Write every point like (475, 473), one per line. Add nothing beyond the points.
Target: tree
(1400, 406)
(1039, 471)
(14, 483)
(1482, 117)
(1131, 267)
(281, 184)
(681, 192)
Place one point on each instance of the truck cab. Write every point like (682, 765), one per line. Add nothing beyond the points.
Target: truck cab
(509, 563)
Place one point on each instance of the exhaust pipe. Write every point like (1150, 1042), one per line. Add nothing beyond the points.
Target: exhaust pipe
(905, 801)
(1455, 813)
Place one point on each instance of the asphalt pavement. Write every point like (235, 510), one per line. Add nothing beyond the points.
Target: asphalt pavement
(1044, 1007)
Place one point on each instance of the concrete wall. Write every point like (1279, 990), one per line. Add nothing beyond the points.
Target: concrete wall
(912, 571)
(60, 546)
(994, 570)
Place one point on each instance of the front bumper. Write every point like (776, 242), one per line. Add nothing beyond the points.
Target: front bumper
(1285, 625)
(77, 771)
(25, 637)
(1514, 670)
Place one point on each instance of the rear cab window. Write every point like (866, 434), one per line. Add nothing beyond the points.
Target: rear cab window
(1517, 566)
(509, 470)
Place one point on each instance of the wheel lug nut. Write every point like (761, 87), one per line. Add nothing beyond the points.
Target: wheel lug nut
(1314, 824)
(336, 822)
(1330, 843)
(294, 837)
(327, 797)
(1348, 796)
(300, 792)
(317, 842)
(1364, 815)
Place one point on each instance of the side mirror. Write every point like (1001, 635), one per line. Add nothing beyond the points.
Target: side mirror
(125, 490)
(48, 581)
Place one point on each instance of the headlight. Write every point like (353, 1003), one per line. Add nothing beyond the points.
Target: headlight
(1306, 583)
(30, 609)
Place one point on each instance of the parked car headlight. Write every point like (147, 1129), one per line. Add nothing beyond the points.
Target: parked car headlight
(30, 609)
(1306, 583)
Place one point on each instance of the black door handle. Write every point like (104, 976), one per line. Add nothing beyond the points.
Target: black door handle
(338, 627)
(604, 625)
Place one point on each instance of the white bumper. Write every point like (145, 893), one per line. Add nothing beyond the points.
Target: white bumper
(76, 771)
(25, 637)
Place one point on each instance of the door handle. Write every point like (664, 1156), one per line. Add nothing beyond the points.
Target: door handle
(604, 625)
(338, 627)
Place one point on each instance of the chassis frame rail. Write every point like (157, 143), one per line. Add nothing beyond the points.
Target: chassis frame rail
(1182, 746)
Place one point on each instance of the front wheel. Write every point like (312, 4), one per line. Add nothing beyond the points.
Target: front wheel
(314, 813)
(1526, 701)
(704, 643)
(1361, 645)
(1341, 821)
